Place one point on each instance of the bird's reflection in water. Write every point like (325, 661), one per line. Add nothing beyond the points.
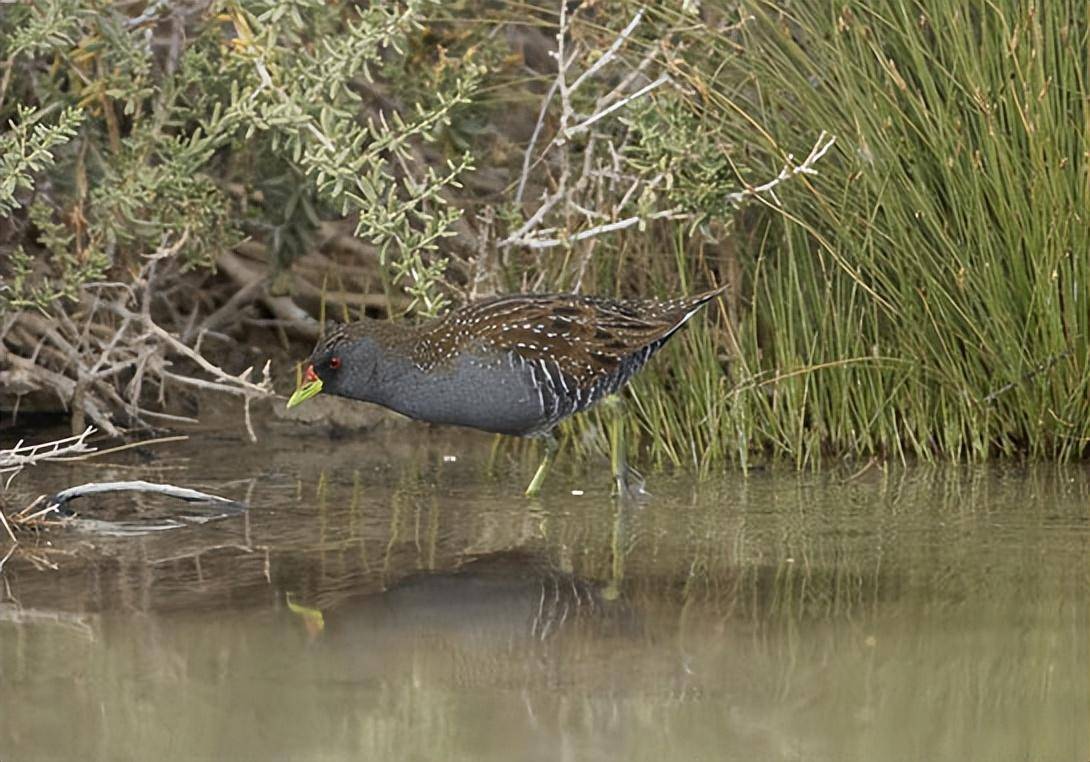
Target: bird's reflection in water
(495, 605)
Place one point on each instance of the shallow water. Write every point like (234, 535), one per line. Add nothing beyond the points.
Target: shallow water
(381, 600)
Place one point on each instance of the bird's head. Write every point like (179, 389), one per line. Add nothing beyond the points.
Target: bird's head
(319, 375)
(342, 364)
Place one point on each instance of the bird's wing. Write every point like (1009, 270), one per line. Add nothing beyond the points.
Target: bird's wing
(584, 338)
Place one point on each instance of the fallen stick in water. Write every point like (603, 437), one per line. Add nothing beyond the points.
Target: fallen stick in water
(57, 501)
(35, 516)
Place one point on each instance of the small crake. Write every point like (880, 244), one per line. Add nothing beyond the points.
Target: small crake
(516, 364)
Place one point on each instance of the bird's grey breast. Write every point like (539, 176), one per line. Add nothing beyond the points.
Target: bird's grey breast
(493, 391)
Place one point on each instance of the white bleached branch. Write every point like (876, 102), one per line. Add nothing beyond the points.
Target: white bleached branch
(610, 227)
(561, 196)
(586, 123)
(821, 147)
(13, 460)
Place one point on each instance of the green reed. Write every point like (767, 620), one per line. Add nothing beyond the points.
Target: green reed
(924, 294)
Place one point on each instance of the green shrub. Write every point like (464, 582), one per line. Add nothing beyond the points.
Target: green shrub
(166, 130)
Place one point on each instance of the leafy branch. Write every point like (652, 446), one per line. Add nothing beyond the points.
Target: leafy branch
(28, 148)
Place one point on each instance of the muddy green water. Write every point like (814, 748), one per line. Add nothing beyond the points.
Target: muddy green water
(393, 597)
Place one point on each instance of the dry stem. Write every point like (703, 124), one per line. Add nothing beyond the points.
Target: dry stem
(13, 460)
(577, 194)
(102, 361)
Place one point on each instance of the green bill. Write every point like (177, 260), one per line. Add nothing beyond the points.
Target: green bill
(305, 392)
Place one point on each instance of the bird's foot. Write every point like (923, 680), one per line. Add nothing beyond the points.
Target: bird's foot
(628, 484)
(551, 447)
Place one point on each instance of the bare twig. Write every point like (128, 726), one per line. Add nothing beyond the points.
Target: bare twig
(548, 243)
(58, 499)
(11, 534)
(13, 460)
(594, 118)
(120, 448)
(11, 549)
(565, 194)
(821, 147)
(528, 155)
(610, 52)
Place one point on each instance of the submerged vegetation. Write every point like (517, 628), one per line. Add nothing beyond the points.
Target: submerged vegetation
(895, 195)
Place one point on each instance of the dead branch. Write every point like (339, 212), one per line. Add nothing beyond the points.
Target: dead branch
(27, 374)
(821, 147)
(100, 358)
(54, 514)
(58, 500)
(281, 306)
(13, 460)
(578, 192)
(602, 114)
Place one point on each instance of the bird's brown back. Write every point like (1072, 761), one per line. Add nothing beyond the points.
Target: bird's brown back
(584, 337)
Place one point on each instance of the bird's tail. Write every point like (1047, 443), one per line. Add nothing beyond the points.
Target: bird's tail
(690, 305)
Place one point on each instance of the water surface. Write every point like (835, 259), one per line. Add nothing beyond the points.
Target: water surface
(393, 597)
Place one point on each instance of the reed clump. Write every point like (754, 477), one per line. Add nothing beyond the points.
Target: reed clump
(924, 294)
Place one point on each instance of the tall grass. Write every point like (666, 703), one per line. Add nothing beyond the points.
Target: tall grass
(925, 294)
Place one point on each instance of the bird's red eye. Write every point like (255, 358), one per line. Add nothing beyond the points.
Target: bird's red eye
(334, 362)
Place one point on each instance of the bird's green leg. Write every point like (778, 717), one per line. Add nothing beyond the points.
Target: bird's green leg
(617, 461)
(551, 447)
(626, 480)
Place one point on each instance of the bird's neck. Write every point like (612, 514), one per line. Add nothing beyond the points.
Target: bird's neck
(395, 377)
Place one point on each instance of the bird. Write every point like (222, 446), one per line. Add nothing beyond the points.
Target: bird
(516, 364)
